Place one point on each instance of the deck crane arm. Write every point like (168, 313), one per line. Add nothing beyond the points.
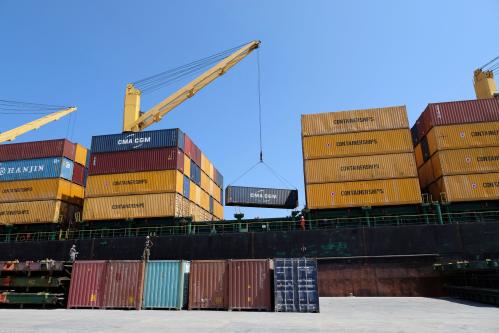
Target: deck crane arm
(135, 121)
(35, 124)
(483, 80)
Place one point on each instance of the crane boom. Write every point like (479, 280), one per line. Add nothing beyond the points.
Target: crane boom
(483, 80)
(134, 121)
(35, 124)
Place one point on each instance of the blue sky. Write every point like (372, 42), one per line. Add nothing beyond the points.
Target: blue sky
(316, 56)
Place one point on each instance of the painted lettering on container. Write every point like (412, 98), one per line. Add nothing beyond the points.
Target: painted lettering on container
(128, 206)
(353, 120)
(487, 158)
(132, 140)
(356, 142)
(130, 182)
(373, 191)
(360, 167)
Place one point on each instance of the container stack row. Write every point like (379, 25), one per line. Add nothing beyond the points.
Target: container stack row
(200, 284)
(457, 150)
(359, 158)
(151, 174)
(42, 182)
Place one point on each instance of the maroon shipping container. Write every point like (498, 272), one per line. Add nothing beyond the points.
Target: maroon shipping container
(196, 154)
(137, 160)
(78, 174)
(37, 149)
(187, 145)
(124, 284)
(460, 112)
(87, 284)
(249, 285)
(208, 284)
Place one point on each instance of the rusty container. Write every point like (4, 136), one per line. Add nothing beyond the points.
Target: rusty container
(38, 149)
(87, 284)
(124, 284)
(249, 285)
(208, 284)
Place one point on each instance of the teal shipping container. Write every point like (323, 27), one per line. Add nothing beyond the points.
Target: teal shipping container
(165, 284)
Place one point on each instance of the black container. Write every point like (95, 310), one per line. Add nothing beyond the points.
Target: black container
(261, 197)
(295, 285)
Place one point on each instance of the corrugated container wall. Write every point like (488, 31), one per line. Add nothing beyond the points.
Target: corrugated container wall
(249, 285)
(50, 167)
(37, 149)
(471, 187)
(43, 189)
(356, 144)
(165, 284)
(260, 197)
(78, 174)
(136, 161)
(138, 140)
(295, 285)
(354, 121)
(465, 161)
(81, 155)
(360, 168)
(31, 212)
(460, 112)
(87, 284)
(208, 284)
(403, 191)
(124, 284)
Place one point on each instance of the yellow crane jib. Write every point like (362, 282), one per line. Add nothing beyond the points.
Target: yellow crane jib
(35, 124)
(135, 121)
(483, 80)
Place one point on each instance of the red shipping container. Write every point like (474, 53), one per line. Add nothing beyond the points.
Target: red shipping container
(187, 145)
(136, 161)
(196, 154)
(208, 284)
(37, 149)
(249, 285)
(78, 174)
(87, 284)
(124, 284)
(459, 112)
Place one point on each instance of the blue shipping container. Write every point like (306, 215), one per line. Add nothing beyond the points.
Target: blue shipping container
(295, 285)
(165, 284)
(138, 140)
(59, 167)
(187, 187)
(195, 173)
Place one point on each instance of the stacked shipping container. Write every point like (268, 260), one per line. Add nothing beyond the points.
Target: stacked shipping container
(41, 182)
(151, 174)
(359, 158)
(457, 150)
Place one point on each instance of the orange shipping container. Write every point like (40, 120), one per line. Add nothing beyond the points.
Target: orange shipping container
(205, 182)
(463, 136)
(465, 161)
(218, 210)
(363, 193)
(187, 166)
(41, 189)
(205, 201)
(211, 171)
(217, 193)
(354, 121)
(134, 183)
(357, 144)
(470, 187)
(81, 154)
(426, 175)
(195, 193)
(31, 212)
(360, 168)
(133, 206)
(205, 163)
(418, 153)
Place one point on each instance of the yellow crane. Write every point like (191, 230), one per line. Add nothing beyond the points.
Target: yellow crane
(483, 80)
(35, 124)
(135, 121)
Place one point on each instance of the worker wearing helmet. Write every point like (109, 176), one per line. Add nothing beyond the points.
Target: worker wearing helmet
(73, 253)
(147, 248)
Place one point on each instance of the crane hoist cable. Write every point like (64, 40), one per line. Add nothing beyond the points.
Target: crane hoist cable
(261, 161)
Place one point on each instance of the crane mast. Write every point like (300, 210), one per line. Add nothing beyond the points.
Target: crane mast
(35, 124)
(483, 80)
(135, 121)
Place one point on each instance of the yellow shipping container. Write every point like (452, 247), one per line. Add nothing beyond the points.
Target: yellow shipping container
(426, 175)
(195, 193)
(418, 153)
(205, 182)
(354, 121)
(217, 193)
(187, 166)
(134, 183)
(41, 189)
(211, 172)
(356, 144)
(31, 212)
(465, 161)
(484, 186)
(363, 193)
(133, 206)
(212, 187)
(205, 200)
(360, 168)
(81, 154)
(463, 136)
(205, 163)
(218, 210)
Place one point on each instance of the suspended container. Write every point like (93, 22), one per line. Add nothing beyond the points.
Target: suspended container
(87, 284)
(249, 285)
(208, 284)
(261, 197)
(295, 285)
(165, 285)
